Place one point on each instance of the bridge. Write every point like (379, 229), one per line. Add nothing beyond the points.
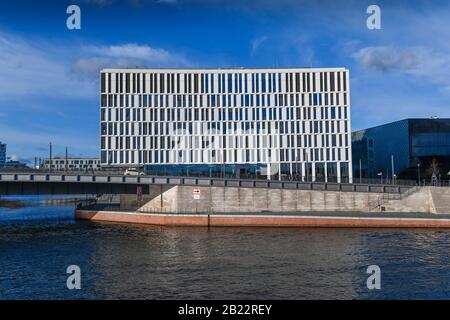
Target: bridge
(32, 183)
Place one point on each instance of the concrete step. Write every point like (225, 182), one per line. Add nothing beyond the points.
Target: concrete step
(441, 199)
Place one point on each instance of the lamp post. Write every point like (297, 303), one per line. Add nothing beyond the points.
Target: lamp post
(279, 152)
(392, 168)
(50, 157)
(306, 166)
(381, 176)
(66, 164)
(418, 173)
(360, 171)
(223, 163)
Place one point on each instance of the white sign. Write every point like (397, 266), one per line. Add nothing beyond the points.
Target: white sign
(196, 193)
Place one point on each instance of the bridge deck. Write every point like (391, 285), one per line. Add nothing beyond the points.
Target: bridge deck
(52, 183)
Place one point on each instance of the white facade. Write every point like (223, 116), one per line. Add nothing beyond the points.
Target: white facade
(77, 164)
(290, 121)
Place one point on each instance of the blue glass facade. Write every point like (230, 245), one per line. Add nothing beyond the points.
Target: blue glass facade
(410, 141)
(2, 154)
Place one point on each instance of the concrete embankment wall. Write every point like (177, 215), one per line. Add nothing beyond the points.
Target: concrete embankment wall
(419, 201)
(180, 199)
(440, 199)
(176, 206)
(129, 202)
(254, 220)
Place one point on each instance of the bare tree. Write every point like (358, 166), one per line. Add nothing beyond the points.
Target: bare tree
(434, 167)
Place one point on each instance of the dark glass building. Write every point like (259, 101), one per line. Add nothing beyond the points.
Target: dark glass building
(420, 147)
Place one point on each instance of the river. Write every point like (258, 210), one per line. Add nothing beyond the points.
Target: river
(120, 261)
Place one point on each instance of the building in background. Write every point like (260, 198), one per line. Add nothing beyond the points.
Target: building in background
(420, 147)
(71, 164)
(2, 154)
(14, 164)
(278, 123)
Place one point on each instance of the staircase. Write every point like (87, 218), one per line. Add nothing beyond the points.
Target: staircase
(377, 205)
(441, 199)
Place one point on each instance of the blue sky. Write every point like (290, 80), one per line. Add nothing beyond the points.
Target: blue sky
(49, 74)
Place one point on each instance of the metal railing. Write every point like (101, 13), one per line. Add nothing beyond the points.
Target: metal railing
(386, 197)
(193, 181)
(233, 176)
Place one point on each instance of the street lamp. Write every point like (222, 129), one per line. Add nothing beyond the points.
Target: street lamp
(381, 175)
(394, 178)
(66, 164)
(50, 156)
(418, 172)
(306, 166)
(360, 171)
(392, 168)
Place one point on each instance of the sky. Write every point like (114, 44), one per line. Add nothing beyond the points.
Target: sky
(49, 88)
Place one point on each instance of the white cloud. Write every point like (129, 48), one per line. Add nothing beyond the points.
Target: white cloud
(386, 58)
(256, 43)
(424, 63)
(89, 68)
(31, 68)
(132, 50)
(121, 56)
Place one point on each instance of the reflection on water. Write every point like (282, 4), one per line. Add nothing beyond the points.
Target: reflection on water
(136, 261)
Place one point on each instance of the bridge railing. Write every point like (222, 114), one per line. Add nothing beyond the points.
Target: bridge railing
(201, 181)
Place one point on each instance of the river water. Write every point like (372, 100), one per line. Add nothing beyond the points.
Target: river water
(120, 261)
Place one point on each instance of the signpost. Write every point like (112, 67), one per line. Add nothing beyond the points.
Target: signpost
(196, 193)
(139, 193)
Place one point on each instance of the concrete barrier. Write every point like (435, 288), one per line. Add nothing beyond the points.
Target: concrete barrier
(241, 199)
(253, 220)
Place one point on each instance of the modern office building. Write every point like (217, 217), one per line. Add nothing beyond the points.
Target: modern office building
(2, 154)
(284, 123)
(72, 164)
(413, 143)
